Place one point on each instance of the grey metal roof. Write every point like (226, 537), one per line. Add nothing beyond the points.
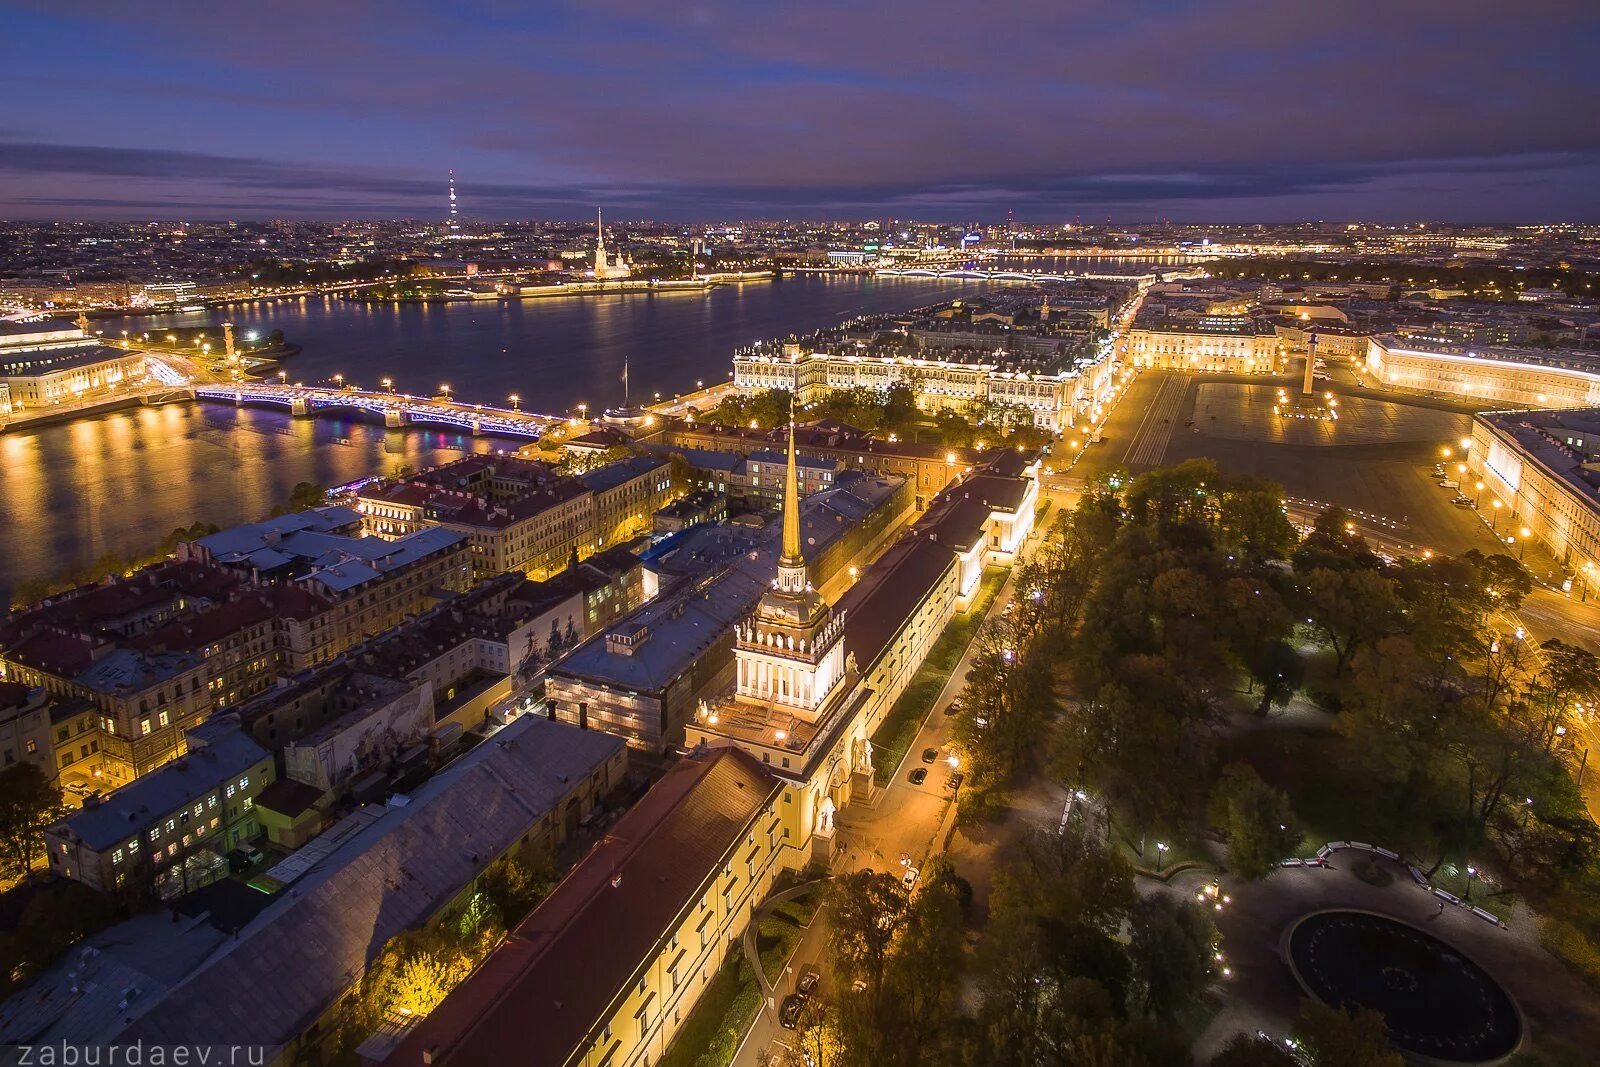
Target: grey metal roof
(248, 537)
(687, 622)
(317, 939)
(215, 757)
(624, 470)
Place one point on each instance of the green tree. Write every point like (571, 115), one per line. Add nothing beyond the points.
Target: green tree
(424, 981)
(1278, 669)
(29, 802)
(306, 495)
(1172, 946)
(1329, 1037)
(1350, 608)
(1259, 823)
(1334, 545)
(1251, 518)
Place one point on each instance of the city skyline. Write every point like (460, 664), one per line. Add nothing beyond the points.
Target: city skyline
(1352, 112)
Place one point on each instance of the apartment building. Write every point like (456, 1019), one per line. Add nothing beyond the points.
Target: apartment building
(522, 515)
(169, 831)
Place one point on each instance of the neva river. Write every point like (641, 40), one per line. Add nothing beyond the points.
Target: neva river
(121, 482)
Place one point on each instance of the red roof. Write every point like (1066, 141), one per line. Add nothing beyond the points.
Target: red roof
(540, 997)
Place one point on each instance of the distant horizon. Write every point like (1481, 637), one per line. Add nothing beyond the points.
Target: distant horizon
(1211, 114)
(712, 220)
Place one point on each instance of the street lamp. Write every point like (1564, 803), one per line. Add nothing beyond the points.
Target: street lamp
(1523, 546)
(1494, 516)
(388, 383)
(445, 389)
(1472, 872)
(338, 380)
(1161, 855)
(516, 402)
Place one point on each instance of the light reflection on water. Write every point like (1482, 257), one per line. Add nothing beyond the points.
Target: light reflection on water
(121, 482)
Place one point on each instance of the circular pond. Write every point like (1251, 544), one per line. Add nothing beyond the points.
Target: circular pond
(1437, 1002)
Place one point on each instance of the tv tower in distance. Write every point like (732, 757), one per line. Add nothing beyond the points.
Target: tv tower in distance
(455, 222)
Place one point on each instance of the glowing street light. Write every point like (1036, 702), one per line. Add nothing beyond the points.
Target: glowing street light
(516, 402)
(445, 389)
(1161, 855)
(388, 383)
(338, 379)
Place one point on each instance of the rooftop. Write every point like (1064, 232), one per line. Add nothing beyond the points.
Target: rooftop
(37, 362)
(216, 754)
(320, 934)
(541, 995)
(624, 470)
(728, 570)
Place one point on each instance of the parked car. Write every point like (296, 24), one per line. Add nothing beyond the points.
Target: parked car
(929, 755)
(808, 981)
(919, 776)
(244, 857)
(911, 877)
(1461, 501)
(789, 1013)
(956, 779)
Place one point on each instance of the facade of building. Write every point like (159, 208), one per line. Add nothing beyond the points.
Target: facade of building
(1057, 400)
(169, 830)
(1529, 378)
(929, 468)
(667, 893)
(787, 705)
(1230, 343)
(643, 676)
(627, 494)
(1540, 472)
(520, 514)
(25, 727)
(50, 363)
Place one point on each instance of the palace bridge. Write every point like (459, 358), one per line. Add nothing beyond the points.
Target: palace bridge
(396, 409)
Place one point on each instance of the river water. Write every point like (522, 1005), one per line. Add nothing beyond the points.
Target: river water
(121, 482)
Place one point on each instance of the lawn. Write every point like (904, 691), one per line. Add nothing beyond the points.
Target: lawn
(721, 1017)
(781, 929)
(900, 726)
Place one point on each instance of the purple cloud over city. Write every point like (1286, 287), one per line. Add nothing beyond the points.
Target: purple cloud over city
(1227, 110)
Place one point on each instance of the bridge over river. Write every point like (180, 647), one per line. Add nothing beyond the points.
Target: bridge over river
(1011, 275)
(396, 409)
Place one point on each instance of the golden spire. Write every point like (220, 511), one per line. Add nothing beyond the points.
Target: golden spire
(791, 504)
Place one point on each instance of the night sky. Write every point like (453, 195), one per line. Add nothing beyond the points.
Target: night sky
(1199, 110)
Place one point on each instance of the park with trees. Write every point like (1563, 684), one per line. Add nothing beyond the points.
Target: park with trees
(1224, 692)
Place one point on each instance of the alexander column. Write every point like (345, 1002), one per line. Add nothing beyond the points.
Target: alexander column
(1307, 385)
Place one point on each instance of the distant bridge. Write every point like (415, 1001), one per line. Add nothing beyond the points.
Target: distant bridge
(396, 409)
(1004, 275)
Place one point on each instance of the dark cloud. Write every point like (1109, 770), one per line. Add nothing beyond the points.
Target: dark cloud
(1043, 105)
